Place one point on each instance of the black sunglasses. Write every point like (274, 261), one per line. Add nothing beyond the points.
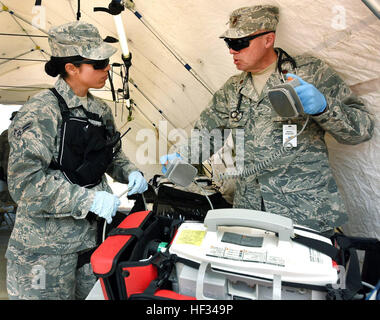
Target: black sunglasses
(97, 64)
(241, 43)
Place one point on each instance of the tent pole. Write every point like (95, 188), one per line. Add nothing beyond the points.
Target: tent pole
(130, 6)
(15, 15)
(18, 56)
(5, 8)
(22, 35)
(151, 102)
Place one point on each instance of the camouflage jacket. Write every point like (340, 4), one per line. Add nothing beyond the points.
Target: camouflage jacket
(5, 197)
(51, 211)
(4, 154)
(299, 185)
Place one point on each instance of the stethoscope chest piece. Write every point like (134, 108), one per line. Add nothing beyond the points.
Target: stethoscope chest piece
(236, 115)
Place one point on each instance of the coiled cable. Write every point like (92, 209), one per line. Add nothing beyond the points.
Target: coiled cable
(259, 167)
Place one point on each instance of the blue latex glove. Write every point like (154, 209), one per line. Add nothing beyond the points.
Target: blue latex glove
(166, 158)
(137, 183)
(105, 205)
(312, 99)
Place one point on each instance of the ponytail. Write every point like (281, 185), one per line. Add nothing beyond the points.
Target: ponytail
(56, 65)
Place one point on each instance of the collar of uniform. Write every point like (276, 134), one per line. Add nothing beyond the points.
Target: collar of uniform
(245, 86)
(70, 97)
(67, 93)
(273, 80)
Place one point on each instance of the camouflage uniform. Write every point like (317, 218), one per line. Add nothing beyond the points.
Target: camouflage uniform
(5, 197)
(51, 226)
(6, 202)
(300, 185)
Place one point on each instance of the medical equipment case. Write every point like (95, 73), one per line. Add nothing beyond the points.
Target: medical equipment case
(232, 254)
(127, 262)
(248, 254)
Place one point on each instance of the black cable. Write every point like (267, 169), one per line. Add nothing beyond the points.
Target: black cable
(112, 87)
(78, 12)
(257, 168)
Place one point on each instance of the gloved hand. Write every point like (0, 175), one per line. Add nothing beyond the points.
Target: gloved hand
(137, 183)
(312, 99)
(105, 205)
(166, 158)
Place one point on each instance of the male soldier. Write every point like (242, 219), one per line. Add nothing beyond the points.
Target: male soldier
(299, 184)
(62, 142)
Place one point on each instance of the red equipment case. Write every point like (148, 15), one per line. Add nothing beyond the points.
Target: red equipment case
(126, 267)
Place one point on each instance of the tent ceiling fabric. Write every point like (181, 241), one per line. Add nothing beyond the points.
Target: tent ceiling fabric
(343, 33)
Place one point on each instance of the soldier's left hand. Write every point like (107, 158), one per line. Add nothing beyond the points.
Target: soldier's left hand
(136, 183)
(312, 99)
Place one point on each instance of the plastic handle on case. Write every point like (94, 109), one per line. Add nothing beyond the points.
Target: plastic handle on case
(250, 218)
(199, 293)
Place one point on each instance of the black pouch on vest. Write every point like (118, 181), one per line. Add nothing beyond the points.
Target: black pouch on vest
(87, 147)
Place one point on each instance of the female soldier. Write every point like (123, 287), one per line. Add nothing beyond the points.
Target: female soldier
(62, 142)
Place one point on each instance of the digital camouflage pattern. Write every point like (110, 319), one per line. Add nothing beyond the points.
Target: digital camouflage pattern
(51, 211)
(5, 197)
(247, 20)
(34, 276)
(51, 228)
(78, 38)
(300, 184)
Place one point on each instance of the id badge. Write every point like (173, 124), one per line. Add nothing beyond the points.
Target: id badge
(288, 131)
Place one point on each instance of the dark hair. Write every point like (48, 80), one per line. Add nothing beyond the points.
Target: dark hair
(56, 65)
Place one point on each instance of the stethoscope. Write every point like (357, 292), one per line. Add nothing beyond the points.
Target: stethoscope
(283, 57)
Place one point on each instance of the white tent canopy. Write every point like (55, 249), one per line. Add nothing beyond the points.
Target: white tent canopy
(167, 38)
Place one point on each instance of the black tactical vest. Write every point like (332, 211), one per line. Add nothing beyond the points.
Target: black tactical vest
(87, 146)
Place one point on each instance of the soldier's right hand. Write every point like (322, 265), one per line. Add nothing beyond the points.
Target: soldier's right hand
(313, 101)
(167, 158)
(105, 205)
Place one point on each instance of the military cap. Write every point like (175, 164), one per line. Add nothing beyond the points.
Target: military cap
(79, 39)
(247, 20)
